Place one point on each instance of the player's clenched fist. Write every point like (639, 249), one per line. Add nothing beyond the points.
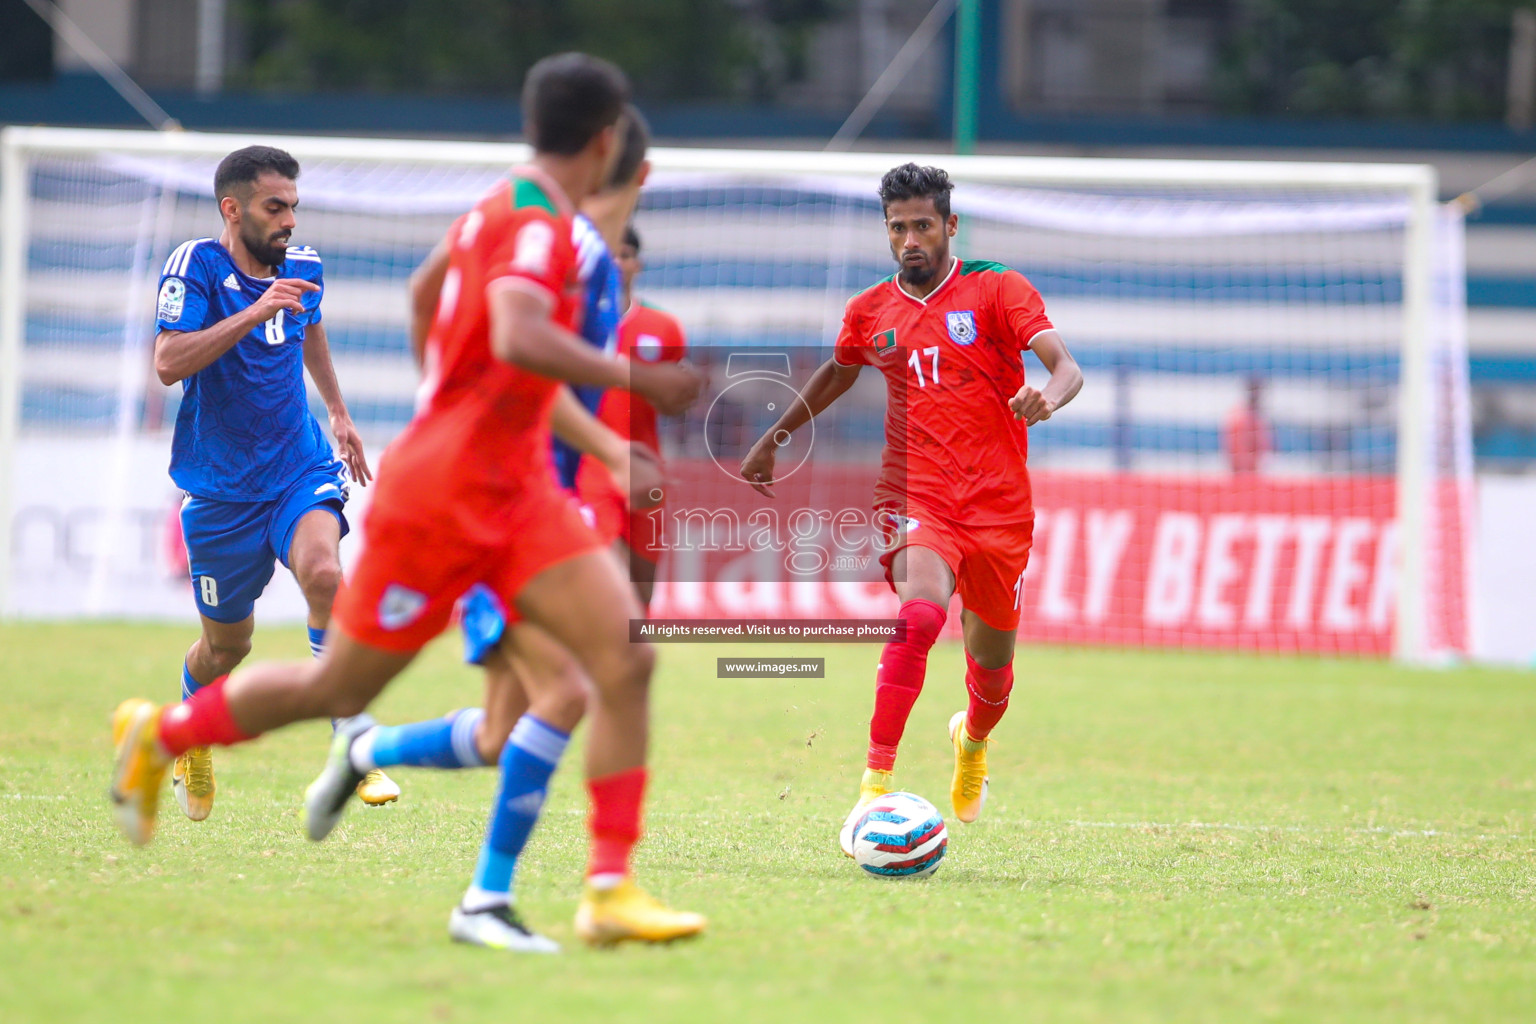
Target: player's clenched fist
(284, 293)
(1031, 406)
(670, 387)
(757, 467)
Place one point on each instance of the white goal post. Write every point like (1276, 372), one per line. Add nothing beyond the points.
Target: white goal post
(1150, 224)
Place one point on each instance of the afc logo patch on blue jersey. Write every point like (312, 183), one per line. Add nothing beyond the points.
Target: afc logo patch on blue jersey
(173, 299)
(962, 326)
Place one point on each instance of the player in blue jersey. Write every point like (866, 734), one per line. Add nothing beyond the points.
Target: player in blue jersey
(599, 274)
(239, 322)
(535, 689)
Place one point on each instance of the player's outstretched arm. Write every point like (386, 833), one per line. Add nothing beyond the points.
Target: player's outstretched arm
(1033, 406)
(826, 385)
(523, 334)
(634, 467)
(349, 443)
(426, 289)
(180, 354)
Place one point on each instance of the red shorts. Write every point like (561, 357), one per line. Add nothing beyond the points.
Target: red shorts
(642, 530)
(988, 561)
(608, 508)
(410, 574)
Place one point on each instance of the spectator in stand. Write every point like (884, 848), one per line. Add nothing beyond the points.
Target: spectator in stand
(1247, 438)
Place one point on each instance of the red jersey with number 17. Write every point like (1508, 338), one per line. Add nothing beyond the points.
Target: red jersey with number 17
(479, 443)
(951, 363)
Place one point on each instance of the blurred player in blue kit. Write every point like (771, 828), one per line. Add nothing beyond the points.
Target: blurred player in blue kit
(239, 322)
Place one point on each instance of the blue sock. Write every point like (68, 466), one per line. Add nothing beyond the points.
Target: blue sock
(527, 762)
(439, 743)
(189, 686)
(316, 648)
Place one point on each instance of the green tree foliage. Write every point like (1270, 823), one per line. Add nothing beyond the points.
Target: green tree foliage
(672, 49)
(1444, 59)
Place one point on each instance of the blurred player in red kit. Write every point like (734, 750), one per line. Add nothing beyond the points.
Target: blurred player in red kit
(465, 496)
(650, 335)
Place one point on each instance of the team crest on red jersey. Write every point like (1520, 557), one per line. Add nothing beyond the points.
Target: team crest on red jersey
(400, 606)
(648, 347)
(884, 341)
(962, 326)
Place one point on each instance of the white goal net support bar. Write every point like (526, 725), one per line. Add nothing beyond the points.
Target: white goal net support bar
(1326, 300)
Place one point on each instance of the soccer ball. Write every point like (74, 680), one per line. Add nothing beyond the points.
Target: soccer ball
(900, 835)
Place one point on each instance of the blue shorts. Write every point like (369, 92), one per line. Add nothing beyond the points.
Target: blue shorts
(483, 620)
(232, 546)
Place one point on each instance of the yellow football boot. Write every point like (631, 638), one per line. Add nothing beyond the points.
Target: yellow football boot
(874, 784)
(377, 789)
(192, 782)
(139, 769)
(627, 912)
(968, 789)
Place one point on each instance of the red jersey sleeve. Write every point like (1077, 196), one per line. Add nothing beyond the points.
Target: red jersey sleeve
(851, 348)
(527, 257)
(1020, 308)
(674, 343)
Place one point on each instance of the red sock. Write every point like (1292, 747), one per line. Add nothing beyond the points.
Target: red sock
(899, 680)
(199, 721)
(987, 690)
(615, 820)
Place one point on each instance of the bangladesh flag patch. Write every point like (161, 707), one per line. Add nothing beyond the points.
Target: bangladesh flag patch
(884, 341)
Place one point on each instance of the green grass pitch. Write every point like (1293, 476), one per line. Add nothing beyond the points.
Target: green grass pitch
(1170, 837)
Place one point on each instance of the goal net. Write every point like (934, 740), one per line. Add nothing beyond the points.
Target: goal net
(1271, 451)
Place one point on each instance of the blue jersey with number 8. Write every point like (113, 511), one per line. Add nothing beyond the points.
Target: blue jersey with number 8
(244, 431)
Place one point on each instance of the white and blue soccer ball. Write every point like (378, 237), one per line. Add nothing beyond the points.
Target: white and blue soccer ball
(900, 835)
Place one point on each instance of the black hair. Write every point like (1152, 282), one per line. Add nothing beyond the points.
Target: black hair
(632, 238)
(244, 166)
(568, 99)
(633, 143)
(910, 181)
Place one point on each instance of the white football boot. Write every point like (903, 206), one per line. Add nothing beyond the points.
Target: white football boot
(327, 796)
(497, 927)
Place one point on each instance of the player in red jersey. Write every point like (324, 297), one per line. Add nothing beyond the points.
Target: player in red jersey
(465, 496)
(535, 690)
(953, 494)
(650, 335)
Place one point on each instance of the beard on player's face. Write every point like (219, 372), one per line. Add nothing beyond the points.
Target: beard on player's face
(268, 245)
(919, 266)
